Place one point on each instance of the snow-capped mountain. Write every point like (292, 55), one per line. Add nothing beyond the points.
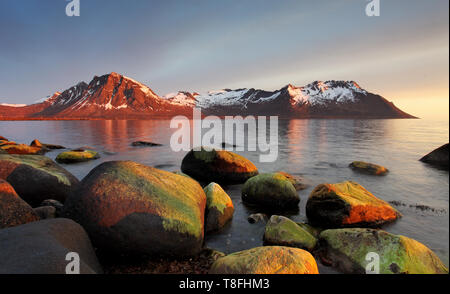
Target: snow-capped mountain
(114, 96)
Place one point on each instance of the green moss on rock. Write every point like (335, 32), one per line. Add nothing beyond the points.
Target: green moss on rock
(219, 207)
(77, 156)
(272, 191)
(267, 260)
(348, 248)
(282, 231)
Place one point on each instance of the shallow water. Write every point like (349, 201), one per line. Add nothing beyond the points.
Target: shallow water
(317, 150)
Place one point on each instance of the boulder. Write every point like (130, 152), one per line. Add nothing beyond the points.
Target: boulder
(369, 168)
(219, 208)
(23, 149)
(45, 212)
(36, 178)
(347, 250)
(41, 248)
(347, 204)
(145, 144)
(267, 260)
(131, 208)
(295, 180)
(438, 157)
(284, 232)
(75, 156)
(13, 210)
(271, 191)
(220, 166)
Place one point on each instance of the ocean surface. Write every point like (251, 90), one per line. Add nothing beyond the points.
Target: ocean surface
(317, 150)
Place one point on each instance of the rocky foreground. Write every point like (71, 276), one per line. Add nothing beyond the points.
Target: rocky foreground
(154, 221)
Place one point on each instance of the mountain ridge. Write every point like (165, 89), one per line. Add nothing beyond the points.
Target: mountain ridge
(114, 96)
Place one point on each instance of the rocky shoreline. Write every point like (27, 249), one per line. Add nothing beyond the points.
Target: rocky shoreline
(125, 217)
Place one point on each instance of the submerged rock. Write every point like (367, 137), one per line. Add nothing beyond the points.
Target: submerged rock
(41, 248)
(369, 168)
(267, 260)
(13, 210)
(271, 191)
(297, 182)
(220, 166)
(347, 204)
(438, 157)
(131, 208)
(284, 232)
(347, 250)
(75, 156)
(36, 178)
(145, 144)
(219, 208)
(257, 217)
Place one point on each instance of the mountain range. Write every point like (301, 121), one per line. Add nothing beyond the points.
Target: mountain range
(114, 96)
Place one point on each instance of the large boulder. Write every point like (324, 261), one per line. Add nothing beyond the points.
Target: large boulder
(271, 191)
(219, 208)
(347, 204)
(131, 208)
(284, 232)
(347, 249)
(41, 248)
(438, 157)
(267, 260)
(369, 168)
(13, 210)
(223, 167)
(36, 178)
(76, 156)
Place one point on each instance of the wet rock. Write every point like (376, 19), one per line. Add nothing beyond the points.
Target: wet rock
(77, 155)
(218, 166)
(53, 146)
(131, 208)
(13, 210)
(219, 208)
(45, 212)
(41, 248)
(347, 250)
(284, 232)
(145, 144)
(438, 157)
(369, 168)
(3, 138)
(23, 149)
(271, 191)
(295, 180)
(36, 143)
(36, 178)
(257, 217)
(347, 204)
(3, 151)
(267, 260)
(56, 204)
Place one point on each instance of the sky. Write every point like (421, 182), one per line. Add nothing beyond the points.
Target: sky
(202, 45)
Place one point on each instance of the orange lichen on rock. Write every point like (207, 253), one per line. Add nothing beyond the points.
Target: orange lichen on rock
(348, 204)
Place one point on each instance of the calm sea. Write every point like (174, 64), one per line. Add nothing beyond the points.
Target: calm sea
(317, 150)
